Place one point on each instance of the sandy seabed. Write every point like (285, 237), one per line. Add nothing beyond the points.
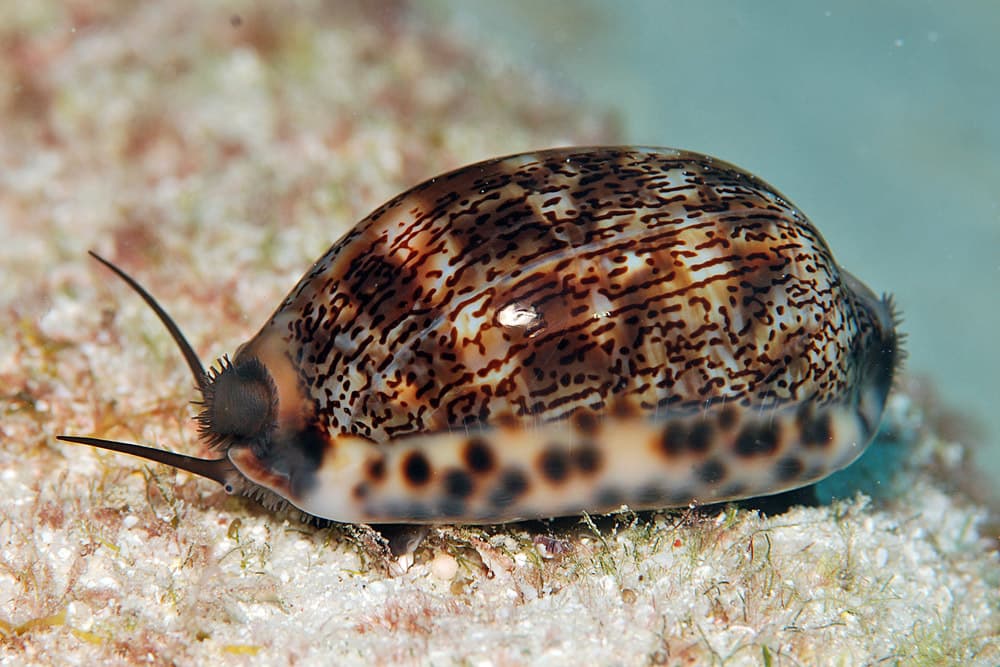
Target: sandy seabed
(214, 153)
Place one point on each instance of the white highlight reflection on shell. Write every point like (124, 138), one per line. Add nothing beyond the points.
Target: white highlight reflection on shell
(518, 315)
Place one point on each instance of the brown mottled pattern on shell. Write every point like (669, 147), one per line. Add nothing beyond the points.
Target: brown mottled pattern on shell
(529, 288)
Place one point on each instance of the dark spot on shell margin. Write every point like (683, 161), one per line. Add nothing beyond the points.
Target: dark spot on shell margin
(757, 440)
(554, 464)
(728, 417)
(375, 469)
(588, 458)
(711, 472)
(674, 437)
(478, 456)
(700, 436)
(458, 484)
(816, 430)
(513, 483)
(788, 469)
(416, 468)
(585, 422)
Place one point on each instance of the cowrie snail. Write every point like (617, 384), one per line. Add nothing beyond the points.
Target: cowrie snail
(547, 334)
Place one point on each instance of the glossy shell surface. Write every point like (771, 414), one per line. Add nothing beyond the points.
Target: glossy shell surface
(564, 331)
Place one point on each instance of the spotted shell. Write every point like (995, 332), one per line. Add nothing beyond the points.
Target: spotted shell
(553, 333)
